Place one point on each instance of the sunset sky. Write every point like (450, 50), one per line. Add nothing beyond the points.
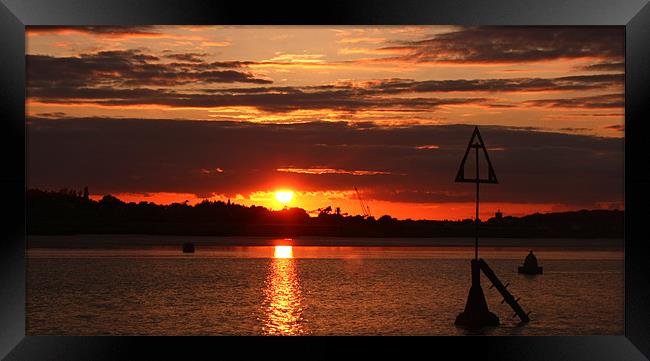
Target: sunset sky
(174, 113)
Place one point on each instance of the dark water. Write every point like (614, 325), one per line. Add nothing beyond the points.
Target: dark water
(313, 290)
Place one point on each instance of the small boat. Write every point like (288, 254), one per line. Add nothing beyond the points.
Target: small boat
(188, 247)
(530, 266)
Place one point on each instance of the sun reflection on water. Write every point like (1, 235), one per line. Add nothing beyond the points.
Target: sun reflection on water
(282, 306)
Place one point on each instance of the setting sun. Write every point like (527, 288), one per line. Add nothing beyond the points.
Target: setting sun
(283, 252)
(284, 196)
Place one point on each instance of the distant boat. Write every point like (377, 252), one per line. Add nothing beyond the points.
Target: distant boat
(530, 266)
(188, 247)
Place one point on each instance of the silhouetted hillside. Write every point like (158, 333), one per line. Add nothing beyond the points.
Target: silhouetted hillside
(69, 212)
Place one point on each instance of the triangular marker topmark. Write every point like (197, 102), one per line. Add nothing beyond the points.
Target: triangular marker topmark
(460, 176)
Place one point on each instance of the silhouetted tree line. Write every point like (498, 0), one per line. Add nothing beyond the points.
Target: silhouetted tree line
(71, 212)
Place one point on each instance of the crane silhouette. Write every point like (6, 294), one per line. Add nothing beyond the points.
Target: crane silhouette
(365, 209)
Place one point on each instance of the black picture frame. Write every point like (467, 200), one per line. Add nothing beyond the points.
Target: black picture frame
(633, 14)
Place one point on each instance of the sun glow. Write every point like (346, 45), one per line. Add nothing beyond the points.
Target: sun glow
(283, 252)
(284, 197)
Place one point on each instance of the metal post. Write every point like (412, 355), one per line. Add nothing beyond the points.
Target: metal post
(476, 219)
(476, 142)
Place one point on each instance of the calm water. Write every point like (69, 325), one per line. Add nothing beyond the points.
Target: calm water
(303, 290)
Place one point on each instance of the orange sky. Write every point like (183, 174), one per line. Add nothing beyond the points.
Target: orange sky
(562, 86)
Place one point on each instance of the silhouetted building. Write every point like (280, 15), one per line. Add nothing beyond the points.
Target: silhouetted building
(498, 215)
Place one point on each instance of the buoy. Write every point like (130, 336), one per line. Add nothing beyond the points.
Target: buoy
(530, 266)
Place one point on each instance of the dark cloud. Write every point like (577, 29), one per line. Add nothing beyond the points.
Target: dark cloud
(515, 44)
(606, 66)
(274, 101)
(215, 64)
(51, 115)
(94, 30)
(130, 155)
(580, 82)
(188, 57)
(128, 77)
(286, 102)
(123, 68)
(619, 127)
(595, 102)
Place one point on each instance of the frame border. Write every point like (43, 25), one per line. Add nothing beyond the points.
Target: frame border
(633, 14)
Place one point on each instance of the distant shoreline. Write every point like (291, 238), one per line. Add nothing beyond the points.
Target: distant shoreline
(141, 240)
(69, 212)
